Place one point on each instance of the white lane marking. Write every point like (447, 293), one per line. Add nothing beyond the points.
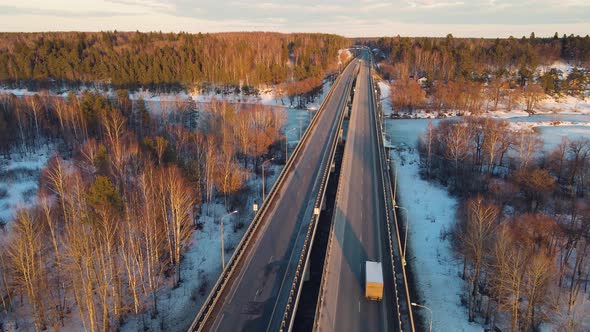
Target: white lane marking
(270, 260)
(219, 321)
(359, 306)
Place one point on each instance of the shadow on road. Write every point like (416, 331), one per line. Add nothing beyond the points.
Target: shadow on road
(355, 254)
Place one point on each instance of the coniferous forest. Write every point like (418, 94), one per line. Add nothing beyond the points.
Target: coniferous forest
(132, 59)
(453, 58)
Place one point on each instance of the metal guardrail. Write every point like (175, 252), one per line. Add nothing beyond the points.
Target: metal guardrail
(302, 265)
(387, 218)
(205, 312)
(388, 197)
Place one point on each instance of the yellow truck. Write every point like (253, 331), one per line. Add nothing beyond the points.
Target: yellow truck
(373, 281)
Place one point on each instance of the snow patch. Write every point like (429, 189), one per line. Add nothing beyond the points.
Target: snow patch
(385, 101)
(19, 179)
(563, 68)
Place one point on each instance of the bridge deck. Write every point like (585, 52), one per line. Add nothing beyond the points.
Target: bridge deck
(258, 290)
(359, 230)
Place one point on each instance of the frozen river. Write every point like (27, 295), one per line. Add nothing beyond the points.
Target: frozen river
(407, 131)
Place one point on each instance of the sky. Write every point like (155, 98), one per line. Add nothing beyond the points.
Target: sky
(361, 18)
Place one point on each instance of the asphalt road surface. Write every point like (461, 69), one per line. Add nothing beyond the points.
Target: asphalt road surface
(359, 228)
(256, 296)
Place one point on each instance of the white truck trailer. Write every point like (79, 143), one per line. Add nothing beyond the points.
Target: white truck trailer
(374, 281)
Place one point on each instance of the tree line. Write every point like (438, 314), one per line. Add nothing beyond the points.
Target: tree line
(522, 229)
(473, 97)
(117, 207)
(164, 60)
(476, 75)
(470, 97)
(451, 58)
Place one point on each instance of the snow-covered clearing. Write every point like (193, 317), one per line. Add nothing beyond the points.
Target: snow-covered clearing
(563, 68)
(268, 96)
(19, 178)
(566, 105)
(552, 126)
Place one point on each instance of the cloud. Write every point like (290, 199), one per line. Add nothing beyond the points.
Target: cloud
(431, 4)
(142, 4)
(346, 17)
(292, 7)
(16, 11)
(374, 5)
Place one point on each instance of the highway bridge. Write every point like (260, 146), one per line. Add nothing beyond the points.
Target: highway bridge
(259, 289)
(363, 228)
(261, 284)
